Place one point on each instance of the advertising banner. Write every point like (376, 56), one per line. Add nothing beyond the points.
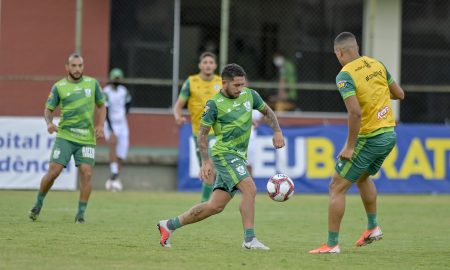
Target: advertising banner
(25, 147)
(420, 162)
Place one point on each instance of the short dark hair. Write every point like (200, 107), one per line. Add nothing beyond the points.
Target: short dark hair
(207, 54)
(73, 55)
(344, 36)
(232, 70)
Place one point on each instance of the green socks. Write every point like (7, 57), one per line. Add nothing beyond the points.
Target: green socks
(174, 223)
(81, 208)
(40, 198)
(333, 238)
(206, 191)
(372, 220)
(249, 234)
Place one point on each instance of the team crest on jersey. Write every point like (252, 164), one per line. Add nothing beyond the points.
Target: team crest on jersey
(247, 106)
(216, 87)
(87, 91)
(240, 169)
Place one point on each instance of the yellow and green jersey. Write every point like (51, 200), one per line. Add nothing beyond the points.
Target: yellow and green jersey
(196, 92)
(231, 120)
(77, 102)
(369, 80)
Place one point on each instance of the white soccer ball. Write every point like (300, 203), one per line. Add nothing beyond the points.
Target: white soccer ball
(280, 187)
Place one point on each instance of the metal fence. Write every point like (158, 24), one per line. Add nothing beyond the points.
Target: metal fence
(142, 34)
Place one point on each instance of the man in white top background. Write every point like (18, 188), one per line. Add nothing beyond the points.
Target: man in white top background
(118, 101)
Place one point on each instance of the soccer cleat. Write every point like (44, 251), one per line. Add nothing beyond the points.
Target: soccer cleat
(79, 219)
(254, 244)
(116, 185)
(325, 249)
(34, 213)
(370, 236)
(108, 185)
(165, 233)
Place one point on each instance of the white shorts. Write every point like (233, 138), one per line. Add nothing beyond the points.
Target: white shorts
(122, 133)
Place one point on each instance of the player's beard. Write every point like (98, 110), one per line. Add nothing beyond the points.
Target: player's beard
(230, 94)
(75, 77)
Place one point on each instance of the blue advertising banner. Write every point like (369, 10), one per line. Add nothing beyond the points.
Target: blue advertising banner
(420, 163)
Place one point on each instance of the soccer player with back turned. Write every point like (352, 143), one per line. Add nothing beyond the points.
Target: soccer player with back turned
(229, 113)
(367, 89)
(78, 97)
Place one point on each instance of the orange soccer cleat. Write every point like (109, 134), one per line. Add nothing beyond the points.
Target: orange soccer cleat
(325, 249)
(370, 236)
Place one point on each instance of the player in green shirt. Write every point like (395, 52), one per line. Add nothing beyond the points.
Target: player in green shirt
(229, 113)
(78, 97)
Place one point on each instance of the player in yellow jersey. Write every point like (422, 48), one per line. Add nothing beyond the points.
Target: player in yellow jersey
(367, 89)
(196, 90)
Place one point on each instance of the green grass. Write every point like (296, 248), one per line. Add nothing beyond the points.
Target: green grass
(120, 233)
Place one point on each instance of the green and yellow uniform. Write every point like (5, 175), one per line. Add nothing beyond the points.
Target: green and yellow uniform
(196, 92)
(76, 134)
(231, 120)
(368, 80)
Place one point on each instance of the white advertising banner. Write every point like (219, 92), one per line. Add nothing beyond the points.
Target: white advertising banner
(25, 148)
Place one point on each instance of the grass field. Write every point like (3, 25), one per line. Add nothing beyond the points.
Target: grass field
(120, 233)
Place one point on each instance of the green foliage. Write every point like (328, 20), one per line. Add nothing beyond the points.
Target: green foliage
(120, 233)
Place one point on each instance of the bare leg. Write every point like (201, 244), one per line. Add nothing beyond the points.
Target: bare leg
(368, 193)
(336, 204)
(85, 182)
(219, 199)
(247, 205)
(49, 178)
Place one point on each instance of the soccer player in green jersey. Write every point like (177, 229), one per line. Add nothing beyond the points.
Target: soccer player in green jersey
(367, 89)
(229, 113)
(79, 97)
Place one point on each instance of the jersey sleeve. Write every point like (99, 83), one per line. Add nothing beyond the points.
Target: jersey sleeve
(99, 95)
(209, 115)
(389, 78)
(185, 91)
(258, 102)
(53, 99)
(345, 85)
(128, 98)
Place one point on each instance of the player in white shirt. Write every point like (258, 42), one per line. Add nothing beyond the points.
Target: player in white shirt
(118, 101)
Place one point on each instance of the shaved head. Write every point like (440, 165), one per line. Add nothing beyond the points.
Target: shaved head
(345, 41)
(346, 47)
(73, 56)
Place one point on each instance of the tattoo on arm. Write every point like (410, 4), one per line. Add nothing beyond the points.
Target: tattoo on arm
(203, 141)
(271, 118)
(48, 115)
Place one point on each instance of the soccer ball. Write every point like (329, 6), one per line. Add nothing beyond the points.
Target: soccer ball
(280, 187)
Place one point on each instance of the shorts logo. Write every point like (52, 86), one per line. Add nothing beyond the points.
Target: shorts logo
(87, 91)
(88, 152)
(240, 169)
(56, 153)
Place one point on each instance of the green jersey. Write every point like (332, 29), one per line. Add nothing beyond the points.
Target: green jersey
(77, 102)
(231, 120)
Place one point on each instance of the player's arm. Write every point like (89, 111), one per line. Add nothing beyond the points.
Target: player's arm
(347, 89)
(178, 111)
(52, 102)
(206, 170)
(48, 115)
(396, 91)
(100, 111)
(354, 124)
(272, 121)
(185, 92)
